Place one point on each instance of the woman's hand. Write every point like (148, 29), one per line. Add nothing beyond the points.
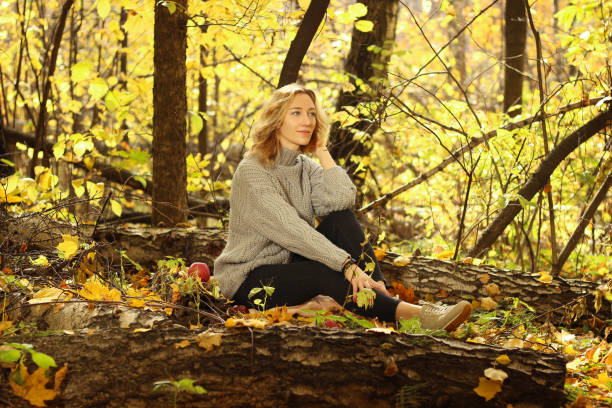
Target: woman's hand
(359, 279)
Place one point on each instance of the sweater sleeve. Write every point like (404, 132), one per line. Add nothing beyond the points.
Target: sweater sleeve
(267, 212)
(332, 189)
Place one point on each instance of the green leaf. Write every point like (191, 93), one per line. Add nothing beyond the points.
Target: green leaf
(9, 356)
(364, 26)
(196, 123)
(103, 8)
(98, 88)
(186, 384)
(254, 291)
(141, 180)
(365, 298)
(43, 360)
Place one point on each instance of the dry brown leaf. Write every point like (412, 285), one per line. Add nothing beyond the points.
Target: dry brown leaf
(380, 254)
(402, 260)
(487, 303)
(484, 278)
(495, 374)
(391, 368)
(59, 377)
(407, 295)
(492, 289)
(208, 340)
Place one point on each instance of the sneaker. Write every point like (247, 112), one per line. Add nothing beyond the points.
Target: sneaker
(444, 317)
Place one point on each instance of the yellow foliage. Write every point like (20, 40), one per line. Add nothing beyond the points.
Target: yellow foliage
(95, 289)
(503, 359)
(69, 246)
(208, 340)
(34, 387)
(487, 388)
(5, 325)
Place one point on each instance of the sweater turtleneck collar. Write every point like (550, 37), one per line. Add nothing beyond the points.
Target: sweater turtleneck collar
(287, 157)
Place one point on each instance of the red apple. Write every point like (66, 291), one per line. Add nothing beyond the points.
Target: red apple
(199, 269)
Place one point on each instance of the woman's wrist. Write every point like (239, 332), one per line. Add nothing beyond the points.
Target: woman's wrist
(347, 267)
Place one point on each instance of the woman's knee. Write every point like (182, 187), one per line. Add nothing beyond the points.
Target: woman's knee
(338, 218)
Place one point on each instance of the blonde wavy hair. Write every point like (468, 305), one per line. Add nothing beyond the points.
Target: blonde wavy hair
(266, 144)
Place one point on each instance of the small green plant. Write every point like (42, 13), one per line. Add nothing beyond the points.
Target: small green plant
(261, 303)
(413, 326)
(17, 352)
(185, 384)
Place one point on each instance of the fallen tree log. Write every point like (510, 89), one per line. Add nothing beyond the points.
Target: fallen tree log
(292, 366)
(430, 278)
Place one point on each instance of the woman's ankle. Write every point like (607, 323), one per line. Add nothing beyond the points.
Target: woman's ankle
(407, 310)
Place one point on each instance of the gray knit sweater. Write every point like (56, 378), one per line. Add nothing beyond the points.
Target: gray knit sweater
(272, 214)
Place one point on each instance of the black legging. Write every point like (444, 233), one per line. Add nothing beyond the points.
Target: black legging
(302, 279)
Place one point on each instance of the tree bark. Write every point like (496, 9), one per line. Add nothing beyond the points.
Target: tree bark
(169, 115)
(299, 46)
(41, 123)
(292, 366)
(515, 37)
(369, 66)
(584, 221)
(539, 179)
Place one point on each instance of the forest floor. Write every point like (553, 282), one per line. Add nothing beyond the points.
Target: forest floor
(78, 274)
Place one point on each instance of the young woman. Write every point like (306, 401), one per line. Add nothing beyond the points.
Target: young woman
(277, 191)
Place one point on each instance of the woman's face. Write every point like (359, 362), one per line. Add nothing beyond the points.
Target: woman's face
(299, 123)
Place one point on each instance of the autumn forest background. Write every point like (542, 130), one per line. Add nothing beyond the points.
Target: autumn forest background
(477, 132)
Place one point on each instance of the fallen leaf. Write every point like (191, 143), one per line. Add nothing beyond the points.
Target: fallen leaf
(208, 340)
(141, 330)
(33, 388)
(545, 277)
(69, 246)
(445, 254)
(5, 325)
(391, 368)
(407, 295)
(59, 377)
(495, 374)
(512, 343)
(484, 278)
(278, 314)
(380, 255)
(182, 344)
(487, 303)
(401, 260)
(503, 359)
(235, 321)
(442, 293)
(95, 289)
(491, 289)
(487, 388)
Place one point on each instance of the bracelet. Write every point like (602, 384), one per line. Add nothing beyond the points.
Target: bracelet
(347, 263)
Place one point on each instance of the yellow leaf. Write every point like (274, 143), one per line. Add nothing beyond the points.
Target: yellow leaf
(40, 261)
(69, 246)
(33, 388)
(5, 325)
(115, 207)
(256, 323)
(95, 289)
(445, 254)
(503, 359)
(208, 340)
(569, 350)
(78, 187)
(364, 25)
(487, 388)
(401, 261)
(103, 8)
(545, 277)
(45, 179)
(357, 10)
(141, 330)
(182, 344)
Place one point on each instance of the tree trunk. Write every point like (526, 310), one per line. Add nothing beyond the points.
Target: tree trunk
(291, 366)
(459, 47)
(299, 46)
(370, 66)
(169, 113)
(515, 37)
(539, 179)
